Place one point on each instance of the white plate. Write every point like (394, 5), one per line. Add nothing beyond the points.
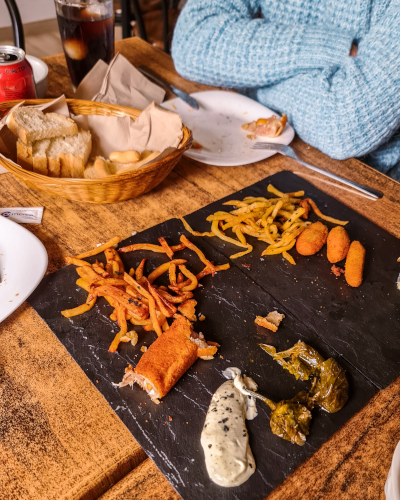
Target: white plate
(40, 72)
(392, 485)
(217, 127)
(23, 262)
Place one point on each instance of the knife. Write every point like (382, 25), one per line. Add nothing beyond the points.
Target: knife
(179, 93)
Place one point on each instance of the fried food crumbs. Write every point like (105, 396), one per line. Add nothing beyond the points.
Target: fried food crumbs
(202, 317)
(221, 356)
(337, 271)
(272, 321)
(143, 348)
(246, 265)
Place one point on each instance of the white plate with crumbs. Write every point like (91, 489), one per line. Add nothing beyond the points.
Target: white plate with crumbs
(23, 263)
(217, 127)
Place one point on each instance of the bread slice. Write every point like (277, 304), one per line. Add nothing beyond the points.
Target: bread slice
(39, 156)
(31, 124)
(102, 167)
(33, 157)
(90, 172)
(24, 155)
(67, 156)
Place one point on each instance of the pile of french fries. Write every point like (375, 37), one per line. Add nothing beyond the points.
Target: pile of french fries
(135, 297)
(276, 221)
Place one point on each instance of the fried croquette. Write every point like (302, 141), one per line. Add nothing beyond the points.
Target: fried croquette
(338, 244)
(355, 264)
(312, 239)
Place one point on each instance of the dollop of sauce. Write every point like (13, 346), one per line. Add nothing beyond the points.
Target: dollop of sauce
(225, 441)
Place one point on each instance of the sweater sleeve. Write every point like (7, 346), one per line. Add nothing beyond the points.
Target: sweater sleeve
(353, 108)
(222, 43)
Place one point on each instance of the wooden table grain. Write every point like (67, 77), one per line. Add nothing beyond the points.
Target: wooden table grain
(59, 439)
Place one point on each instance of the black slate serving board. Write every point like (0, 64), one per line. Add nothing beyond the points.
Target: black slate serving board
(230, 301)
(362, 324)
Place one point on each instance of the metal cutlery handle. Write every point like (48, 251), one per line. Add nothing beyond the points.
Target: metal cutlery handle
(155, 78)
(359, 187)
(179, 93)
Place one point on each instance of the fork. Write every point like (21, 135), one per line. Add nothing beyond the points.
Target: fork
(288, 151)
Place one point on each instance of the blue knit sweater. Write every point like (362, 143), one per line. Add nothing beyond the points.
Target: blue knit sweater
(293, 56)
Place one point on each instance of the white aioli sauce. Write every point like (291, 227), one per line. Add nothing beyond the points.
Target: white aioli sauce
(225, 441)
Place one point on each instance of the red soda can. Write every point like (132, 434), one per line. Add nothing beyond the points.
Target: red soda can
(16, 75)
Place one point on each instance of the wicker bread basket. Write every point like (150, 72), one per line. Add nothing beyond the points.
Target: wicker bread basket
(107, 190)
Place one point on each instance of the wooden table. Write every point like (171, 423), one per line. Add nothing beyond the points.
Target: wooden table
(59, 439)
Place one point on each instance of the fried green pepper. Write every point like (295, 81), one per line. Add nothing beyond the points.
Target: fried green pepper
(330, 387)
(291, 418)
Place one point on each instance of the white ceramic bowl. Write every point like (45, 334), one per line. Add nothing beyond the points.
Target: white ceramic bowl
(40, 72)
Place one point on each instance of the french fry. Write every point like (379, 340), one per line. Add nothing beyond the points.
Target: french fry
(76, 262)
(289, 258)
(88, 274)
(325, 217)
(191, 231)
(206, 270)
(163, 269)
(294, 216)
(165, 326)
(140, 322)
(83, 284)
(200, 254)
(172, 273)
(76, 311)
(100, 269)
(275, 251)
(165, 307)
(191, 276)
(124, 329)
(123, 299)
(140, 270)
(177, 248)
(152, 304)
(178, 299)
(110, 281)
(217, 232)
(166, 247)
(99, 249)
(131, 272)
(115, 260)
(273, 190)
(142, 246)
(240, 254)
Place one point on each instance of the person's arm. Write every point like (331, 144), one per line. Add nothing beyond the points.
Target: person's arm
(352, 109)
(220, 42)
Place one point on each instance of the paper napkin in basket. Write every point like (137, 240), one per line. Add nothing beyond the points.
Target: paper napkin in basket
(119, 83)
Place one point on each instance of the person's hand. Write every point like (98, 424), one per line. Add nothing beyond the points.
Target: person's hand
(353, 50)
